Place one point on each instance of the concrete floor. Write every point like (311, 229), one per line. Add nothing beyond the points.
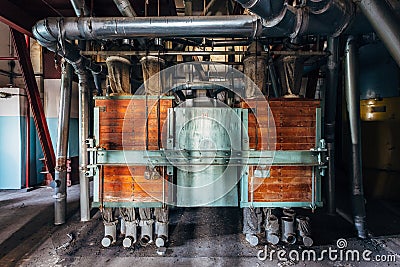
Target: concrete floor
(198, 237)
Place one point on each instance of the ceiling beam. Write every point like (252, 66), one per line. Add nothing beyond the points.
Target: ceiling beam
(16, 18)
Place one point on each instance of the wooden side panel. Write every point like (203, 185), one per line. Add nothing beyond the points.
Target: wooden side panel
(123, 125)
(295, 122)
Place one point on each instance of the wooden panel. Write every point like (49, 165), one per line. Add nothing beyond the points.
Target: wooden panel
(120, 183)
(285, 184)
(295, 122)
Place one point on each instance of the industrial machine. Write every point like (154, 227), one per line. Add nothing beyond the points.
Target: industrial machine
(245, 134)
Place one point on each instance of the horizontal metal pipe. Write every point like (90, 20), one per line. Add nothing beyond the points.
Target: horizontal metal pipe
(385, 23)
(48, 30)
(199, 53)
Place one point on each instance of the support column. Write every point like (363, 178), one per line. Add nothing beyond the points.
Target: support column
(353, 107)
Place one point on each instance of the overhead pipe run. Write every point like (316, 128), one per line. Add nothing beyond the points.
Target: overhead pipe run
(48, 30)
(353, 107)
(279, 18)
(385, 23)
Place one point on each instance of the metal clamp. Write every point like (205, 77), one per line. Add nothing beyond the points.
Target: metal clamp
(92, 151)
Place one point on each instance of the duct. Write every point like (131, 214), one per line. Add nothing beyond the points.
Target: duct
(266, 9)
(129, 217)
(288, 235)
(60, 178)
(255, 68)
(304, 230)
(291, 73)
(272, 229)
(353, 107)
(80, 8)
(152, 66)
(119, 75)
(274, 79)
(48, 30)
(110, 227)
(146, 223)
(385, 23)
(330, 116)
(252, 218)
(161, 226)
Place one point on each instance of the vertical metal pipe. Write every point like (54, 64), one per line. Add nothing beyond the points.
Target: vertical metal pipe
(330, 116)
(60, 178)
(125, 8)
(28, 144)
(80, 8)
(385, 23)
(83, 135)
(353, 107)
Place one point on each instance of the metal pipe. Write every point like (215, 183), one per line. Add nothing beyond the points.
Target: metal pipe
(48, 30)
(279, 18)
(80, 8)
(304, 230)
(385, 23)
(276, 87)
(199, 53)
(353, 107)
(272, 229)
(60, 178)
(264, 8)
(330, 116)
(125, 8)
(83, 135)
(288, 234)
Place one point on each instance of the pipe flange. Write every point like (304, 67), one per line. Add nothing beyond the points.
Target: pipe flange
(249, 4)
(300, 15)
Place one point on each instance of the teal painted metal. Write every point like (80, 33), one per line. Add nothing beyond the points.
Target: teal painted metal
(200, 158)
(200, 182)
(280, 204)
(121, 97)
(132, 204)
(96, 177)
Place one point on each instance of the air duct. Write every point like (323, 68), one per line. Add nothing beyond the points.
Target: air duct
(48, 30)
